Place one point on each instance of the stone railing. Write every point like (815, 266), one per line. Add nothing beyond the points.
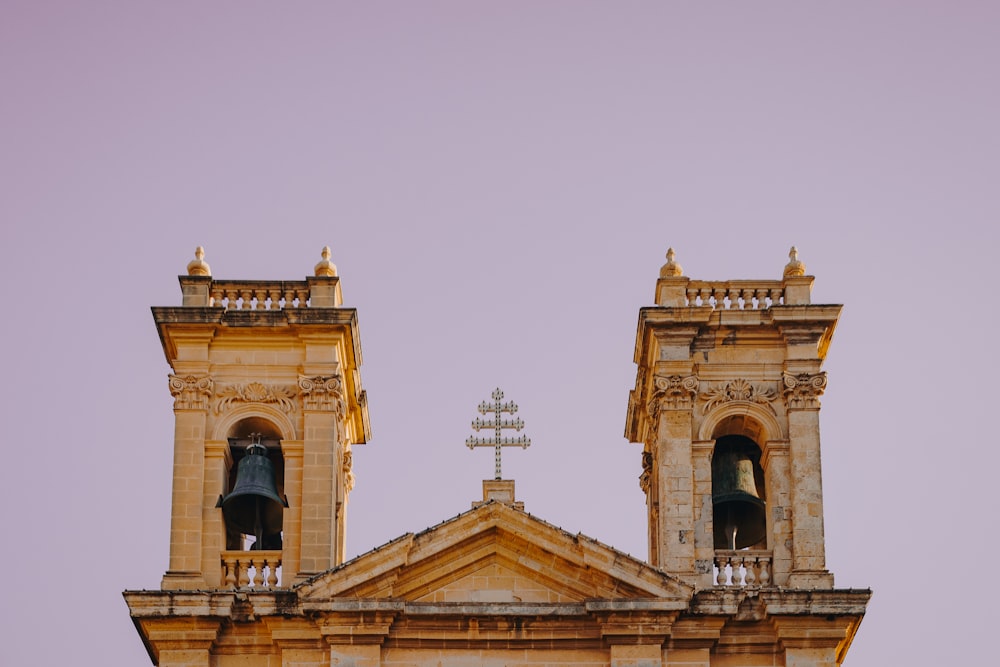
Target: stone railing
(251, 569)
(742, 568)
(259, 295)
(735, 294)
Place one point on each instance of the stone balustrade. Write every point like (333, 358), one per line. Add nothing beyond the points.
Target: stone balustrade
(259, 295)
(251, 569)
(743, 568)
(735, 294)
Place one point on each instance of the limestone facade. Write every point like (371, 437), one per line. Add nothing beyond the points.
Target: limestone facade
(496, 586)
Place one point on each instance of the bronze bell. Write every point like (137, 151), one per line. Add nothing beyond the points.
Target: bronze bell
(739, 519)
(254, 507)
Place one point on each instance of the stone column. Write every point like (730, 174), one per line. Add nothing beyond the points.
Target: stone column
(774, 460)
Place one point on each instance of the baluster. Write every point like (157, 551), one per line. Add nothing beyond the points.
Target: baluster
(765, 572)
(272, 574)
(242, 570)
(691, 296)
(258, 575)
(245, 299)
(758, 299)
(230, 572)
(734, 298)
(751, 576)
(721, 564)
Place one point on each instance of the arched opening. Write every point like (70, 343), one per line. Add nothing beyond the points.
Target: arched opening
(739, 519)
(254, 501)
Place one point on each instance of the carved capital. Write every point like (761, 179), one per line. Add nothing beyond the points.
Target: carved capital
(739, 389)
(323, 393)
(191, 392)
(255, 392)
(672, 392)
(802, 390)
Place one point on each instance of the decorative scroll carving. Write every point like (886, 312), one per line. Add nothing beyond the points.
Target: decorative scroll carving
(348, 469)
(191, 392)
(672, 392)
(255, 392)
(322, 393)
(803, 390)
(740, 390)
(647, 471)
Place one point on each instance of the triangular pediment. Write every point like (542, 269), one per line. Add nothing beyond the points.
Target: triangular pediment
(494, 554)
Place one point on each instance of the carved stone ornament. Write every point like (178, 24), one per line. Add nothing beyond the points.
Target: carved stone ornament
(348, 469)
(803, 390)
(739, 389)
(255, 392)
(672, 392)
(647, 471)
(191, 392)
(322, 393)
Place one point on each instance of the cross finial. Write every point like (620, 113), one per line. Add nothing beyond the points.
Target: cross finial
(497, 424)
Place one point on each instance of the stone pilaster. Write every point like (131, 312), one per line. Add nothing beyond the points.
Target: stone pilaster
(185, 565)
(777, 484)
(324, 492)
(217, 463)
(676, 493)
(291, 553)
(802, 391)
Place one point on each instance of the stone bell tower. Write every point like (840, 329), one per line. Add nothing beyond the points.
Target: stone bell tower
(726, 406)
(267, 369)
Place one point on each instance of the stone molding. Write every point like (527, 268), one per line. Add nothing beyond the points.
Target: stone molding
(672, 392)
(255, 392)
(802, 390)
(323, 392)
(191, 392)
(739, 389)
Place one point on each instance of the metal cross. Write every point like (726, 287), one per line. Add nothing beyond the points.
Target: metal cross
(497, 424)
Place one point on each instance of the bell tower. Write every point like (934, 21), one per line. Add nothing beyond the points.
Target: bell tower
(267, 405)
(726, 406)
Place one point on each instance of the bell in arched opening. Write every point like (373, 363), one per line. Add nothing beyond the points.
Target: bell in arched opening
(254, 507)
(739, 520)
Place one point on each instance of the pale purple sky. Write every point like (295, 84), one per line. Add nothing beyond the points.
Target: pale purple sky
(499, 183)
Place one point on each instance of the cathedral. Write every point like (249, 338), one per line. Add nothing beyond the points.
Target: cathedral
(268, 404)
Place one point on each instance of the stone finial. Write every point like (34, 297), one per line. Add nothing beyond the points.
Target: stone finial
(794, 266)
(325, 267)
(198, 266)
(671, 269)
